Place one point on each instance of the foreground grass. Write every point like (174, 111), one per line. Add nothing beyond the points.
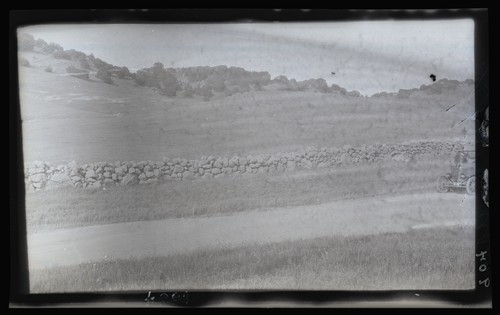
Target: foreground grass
(420, 259)
(71, 207)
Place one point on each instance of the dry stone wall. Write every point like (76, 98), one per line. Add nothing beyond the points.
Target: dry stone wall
(42, 175)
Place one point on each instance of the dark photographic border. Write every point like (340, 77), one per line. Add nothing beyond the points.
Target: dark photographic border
(19, 279)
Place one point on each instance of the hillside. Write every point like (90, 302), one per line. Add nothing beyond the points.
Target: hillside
(69, 117)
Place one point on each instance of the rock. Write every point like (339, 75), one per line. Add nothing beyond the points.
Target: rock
(108, 169)
(227, 170)
(178, 169)
(160, 163)
(215, 171)
(129, 179)
(156, 172)
(90, 174)
(36, 170)
(242, 161)
(254, 165)
(148, 168)
(61, 178)
(109, 182)
(207, 166)
(291, 165)
(152, 181)
(280, 168)
(142, 176)
(183, 162)
(201, 171)
(149, 174)
(96, 185)
(113, 177)
(187, 175)
(76, 179)
(241, 168)
(39, 177)
(218, 164)
(107, 174)
(211, 158)
(306, 163)
(248, 169)
(38, 185)
(72, 164)
(73, 172)
(233, 161)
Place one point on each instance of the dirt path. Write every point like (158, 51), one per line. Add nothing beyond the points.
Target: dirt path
(368, 216)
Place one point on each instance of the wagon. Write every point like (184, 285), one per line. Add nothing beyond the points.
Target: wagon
(461, 175)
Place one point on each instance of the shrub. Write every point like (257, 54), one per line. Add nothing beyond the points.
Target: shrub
(25, 42)
(61, 54)
(188, 91)
(123, 73)
(105, 76)
(51, 48)
(24, 62)
(84, 64)
(73, 69)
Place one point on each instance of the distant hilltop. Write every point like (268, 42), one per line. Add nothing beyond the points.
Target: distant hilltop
(203, 82)
(434, 88)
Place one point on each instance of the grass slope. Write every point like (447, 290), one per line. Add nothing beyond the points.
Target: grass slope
(66, 118)
(420, 259)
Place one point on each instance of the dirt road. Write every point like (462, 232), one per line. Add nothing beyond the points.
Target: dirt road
(367, 216)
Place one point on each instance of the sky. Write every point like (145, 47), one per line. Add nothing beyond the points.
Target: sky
(367, 56)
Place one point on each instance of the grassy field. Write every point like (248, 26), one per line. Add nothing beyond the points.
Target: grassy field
(420, 259)
(66, 118)
(68, 207)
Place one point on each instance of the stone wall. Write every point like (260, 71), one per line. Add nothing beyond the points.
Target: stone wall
(40, 175)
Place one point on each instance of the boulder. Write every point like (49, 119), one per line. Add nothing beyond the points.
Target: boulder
(38, 178)
(152, 181)
(129, 179)
(142, 176)
(218, 164)
(107, 174)
(76, 179)
(60, 178)
(156, 172)
(36, 170)
(215, 171)
(178, 169)
(90, 174)
(149, 174)
(188, 175)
